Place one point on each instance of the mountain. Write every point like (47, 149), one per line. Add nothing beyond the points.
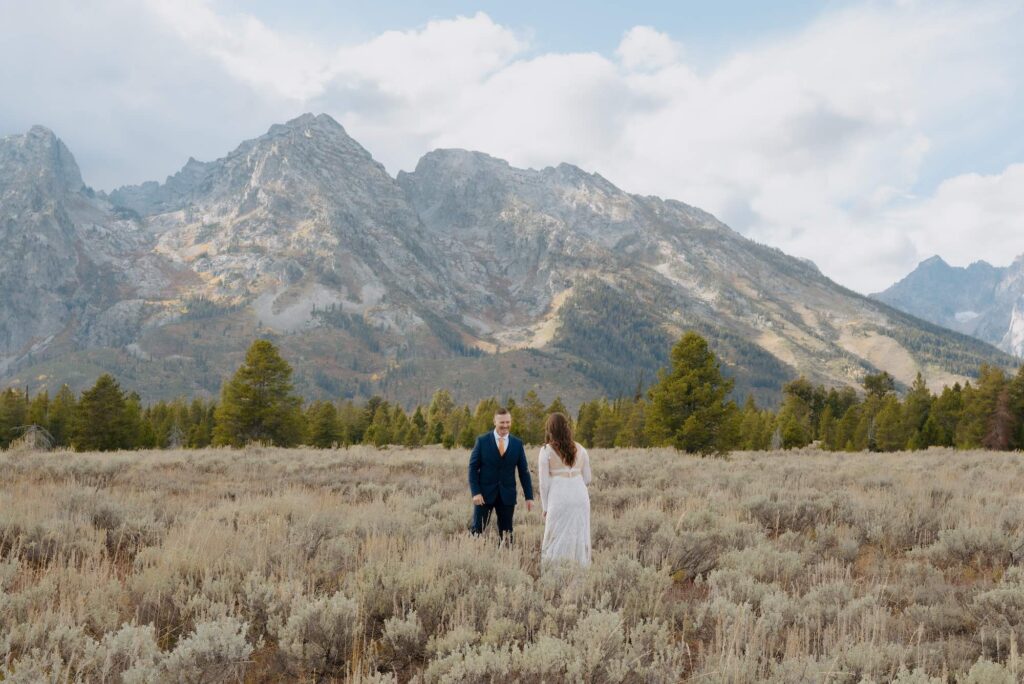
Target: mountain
(465, 273)
(981, 300)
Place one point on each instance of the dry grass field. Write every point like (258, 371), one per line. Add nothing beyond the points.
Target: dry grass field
(354, 565)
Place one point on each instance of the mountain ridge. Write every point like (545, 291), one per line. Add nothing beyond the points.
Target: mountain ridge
(980, 300)
(465, 272)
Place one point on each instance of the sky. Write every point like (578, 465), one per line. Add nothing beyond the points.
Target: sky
(866, 136)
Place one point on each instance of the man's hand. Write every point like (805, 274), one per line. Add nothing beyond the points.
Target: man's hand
(478, 500)
(529, 505)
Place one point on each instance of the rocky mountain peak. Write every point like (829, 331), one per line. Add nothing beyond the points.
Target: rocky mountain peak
(309, 153)
(933, 262)
(323, 123)
(40, 157)
(455, 189)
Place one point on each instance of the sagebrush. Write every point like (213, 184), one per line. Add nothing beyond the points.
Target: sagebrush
(355, 565)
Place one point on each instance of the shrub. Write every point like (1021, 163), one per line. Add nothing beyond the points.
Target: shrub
(404, 641)
(695, 553)
(984, 547)
(915, 676)
(216, 651)
(131, 653)
(598, 644)
(320, 633)
(986, 672)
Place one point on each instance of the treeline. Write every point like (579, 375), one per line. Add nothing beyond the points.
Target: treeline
(256, 405)
(106, 418)
(687, 407)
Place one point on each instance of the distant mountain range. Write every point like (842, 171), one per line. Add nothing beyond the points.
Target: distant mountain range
(466, 273)
(981, 300)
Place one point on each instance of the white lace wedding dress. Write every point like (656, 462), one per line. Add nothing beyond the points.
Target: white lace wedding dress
(566, 502)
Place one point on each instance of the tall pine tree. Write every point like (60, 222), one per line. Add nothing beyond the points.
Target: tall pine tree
(257, 404)
(101, 419)
(688, 408)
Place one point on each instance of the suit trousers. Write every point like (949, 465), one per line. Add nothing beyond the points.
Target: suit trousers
(482, 515)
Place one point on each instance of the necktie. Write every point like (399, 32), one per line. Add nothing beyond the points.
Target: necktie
(501, 446)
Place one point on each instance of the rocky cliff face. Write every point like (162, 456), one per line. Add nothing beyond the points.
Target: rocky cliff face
(75, 270)
(980, 300)
(465, 273)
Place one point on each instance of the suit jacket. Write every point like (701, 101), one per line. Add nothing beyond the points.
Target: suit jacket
(491, 473)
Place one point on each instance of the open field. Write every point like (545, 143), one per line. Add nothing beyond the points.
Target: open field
(354, 565)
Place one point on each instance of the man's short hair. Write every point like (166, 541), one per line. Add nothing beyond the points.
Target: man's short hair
(501, 411)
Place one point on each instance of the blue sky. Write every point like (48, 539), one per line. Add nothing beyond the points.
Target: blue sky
(708, 29)
(866, 135)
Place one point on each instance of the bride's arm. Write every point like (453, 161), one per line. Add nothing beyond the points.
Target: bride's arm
(544, 476)
(585, 465)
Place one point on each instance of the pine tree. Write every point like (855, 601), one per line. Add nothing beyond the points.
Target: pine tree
(755, 428)
(420, 421)
(794, 433)
(796, 417)
(879, 384)
(459, 429)
(889, 431)
(841, 400)
(943, 417)
(438, 413)
(688, 408)
(846, 432)
(62, 416)
(414, 434)
(378, 432)
(634, 426)
(467, 436)
(39, 410)
(528, 419)
(827, 428)
(979, 403)
(322, 420)
(865, 435)
(138, 433)
(13, 414)
(558, 406)
(257, 404)
(353, 423)
(589, 413)
(608, 425)
(483, 417)
(1002, 424)
(916, 406)
(399, 426)
(201, 418)
(101, 420)
(1016, 406)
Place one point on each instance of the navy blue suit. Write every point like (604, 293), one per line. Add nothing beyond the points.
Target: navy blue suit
(494, 477)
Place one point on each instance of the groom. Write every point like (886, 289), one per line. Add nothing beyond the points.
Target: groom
(492, 476)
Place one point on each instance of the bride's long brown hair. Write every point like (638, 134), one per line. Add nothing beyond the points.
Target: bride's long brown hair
(558, 433)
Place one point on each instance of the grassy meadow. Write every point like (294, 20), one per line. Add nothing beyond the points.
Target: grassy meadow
(277, 565)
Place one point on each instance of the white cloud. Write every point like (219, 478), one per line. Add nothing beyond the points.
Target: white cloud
(246, 48)
(644, 47)
(969, 217)
(814, 142)
(441, 58)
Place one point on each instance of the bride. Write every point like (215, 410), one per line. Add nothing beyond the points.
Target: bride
(564, 468)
